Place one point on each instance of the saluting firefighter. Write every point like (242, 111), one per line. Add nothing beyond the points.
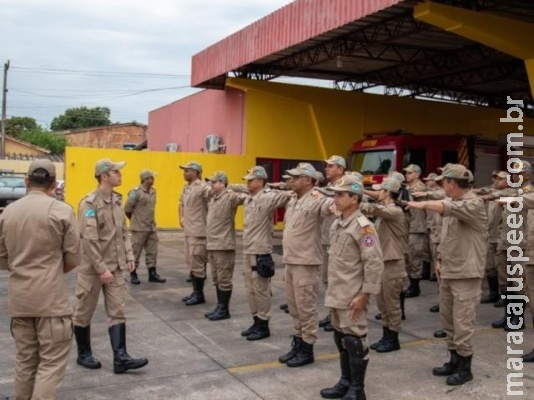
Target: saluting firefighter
(221, 241)
(506, 277)
(259, 206)
(354, 273)
(193, 211)
(303, 256)
(106, 253)
(460, 268)
(393, 234)
(140, 209)
(39, 243)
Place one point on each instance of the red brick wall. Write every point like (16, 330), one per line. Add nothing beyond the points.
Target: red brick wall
(107, 137)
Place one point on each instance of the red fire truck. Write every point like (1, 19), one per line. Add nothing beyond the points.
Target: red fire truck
(382, 152)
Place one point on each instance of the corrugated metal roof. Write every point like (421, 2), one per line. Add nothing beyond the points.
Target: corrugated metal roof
(288, 26)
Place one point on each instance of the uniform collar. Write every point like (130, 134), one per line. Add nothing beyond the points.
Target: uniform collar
(36, 192)
(104, 198)
(345, 222)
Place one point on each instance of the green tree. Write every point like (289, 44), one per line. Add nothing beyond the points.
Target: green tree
(15, 126)
(81, 117)
(54, 142)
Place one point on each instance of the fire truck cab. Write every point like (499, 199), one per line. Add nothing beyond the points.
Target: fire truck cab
(382, 152)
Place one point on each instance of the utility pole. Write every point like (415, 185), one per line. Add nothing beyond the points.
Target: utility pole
(4, 104)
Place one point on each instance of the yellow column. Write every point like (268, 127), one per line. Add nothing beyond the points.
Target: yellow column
(508, 35)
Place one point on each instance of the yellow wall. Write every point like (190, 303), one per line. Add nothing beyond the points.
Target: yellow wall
(13, 147)
(286, 121)
(301, 122)
(21, 167)
(80, 181)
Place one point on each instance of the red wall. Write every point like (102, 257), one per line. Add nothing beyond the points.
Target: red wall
(189, 120)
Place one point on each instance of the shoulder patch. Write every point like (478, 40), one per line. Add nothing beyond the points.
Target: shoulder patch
(369, 240)
(132, 195)
(90, 213)
(368, 230)
(363, 221)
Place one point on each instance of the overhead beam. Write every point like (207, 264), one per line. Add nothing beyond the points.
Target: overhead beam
(511, 36)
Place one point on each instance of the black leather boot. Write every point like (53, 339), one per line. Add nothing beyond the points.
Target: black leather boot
(219, 304)
(198, 292)
(223, 310)
(440, 334)
(426, 271)
(284, 308)
(434, 308)
(189, 278)
(295, 348)
(493, 295)
(530, 356)
(154, 277)
(303, 357)
(358, 366)
(402, 298)
(186, 298)
(413, 289)
(390, 344)
(261, 331)
(448, 368)
(462, 374)
(517, 322)
(122, 361)
(378, 316)
(83, 341)
(501, 323)
(134, 279)
(325, 321)
(342, 386)
(500, 303)
(385, 331)
(251, 328)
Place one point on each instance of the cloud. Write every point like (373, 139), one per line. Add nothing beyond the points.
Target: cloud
(157, 37)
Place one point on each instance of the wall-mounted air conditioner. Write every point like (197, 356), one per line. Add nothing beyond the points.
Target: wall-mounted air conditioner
(172, 147)
(214, 144)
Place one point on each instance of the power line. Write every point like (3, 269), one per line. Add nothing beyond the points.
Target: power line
(99, 73)
(121, 93)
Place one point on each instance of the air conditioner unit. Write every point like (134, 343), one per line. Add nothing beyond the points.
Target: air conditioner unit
(214, 144)
(172, 147)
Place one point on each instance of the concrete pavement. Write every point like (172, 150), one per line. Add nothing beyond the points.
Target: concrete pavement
(193, 358)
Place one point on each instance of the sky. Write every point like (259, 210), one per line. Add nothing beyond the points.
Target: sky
(132, 56)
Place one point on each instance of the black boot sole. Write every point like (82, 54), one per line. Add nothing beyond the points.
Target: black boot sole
(89, 366)
(123, 369)
(300, 364)
(219, 317)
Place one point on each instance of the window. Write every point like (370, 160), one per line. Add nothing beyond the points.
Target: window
(373, 162)
(417, 157)
(449, 156)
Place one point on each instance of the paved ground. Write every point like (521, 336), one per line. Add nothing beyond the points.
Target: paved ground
(193, 358)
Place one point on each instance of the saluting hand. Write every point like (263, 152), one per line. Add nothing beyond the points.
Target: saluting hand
(106, 277)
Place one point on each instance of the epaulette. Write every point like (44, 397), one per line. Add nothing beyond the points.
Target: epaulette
(363, 221)
(136, 188)
(90, 197)
(267, 190)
